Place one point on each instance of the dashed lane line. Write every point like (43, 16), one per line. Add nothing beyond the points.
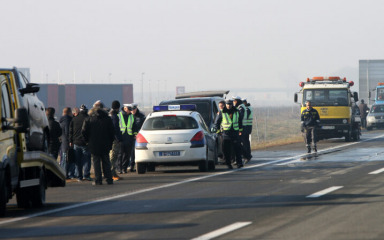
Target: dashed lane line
(324, 192)
(377, 171)
(222, 231)
(165, 186)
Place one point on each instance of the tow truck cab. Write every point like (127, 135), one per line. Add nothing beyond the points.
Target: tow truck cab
(25, 171)
(336, 104)
(379, 98)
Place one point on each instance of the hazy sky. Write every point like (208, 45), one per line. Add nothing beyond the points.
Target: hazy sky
(200, 44)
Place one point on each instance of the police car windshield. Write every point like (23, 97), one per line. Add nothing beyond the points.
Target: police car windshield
(170, 122)
(326, 97)
(377, 109)
(201, 107)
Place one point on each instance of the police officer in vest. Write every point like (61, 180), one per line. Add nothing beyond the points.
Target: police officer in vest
(230, 121)
(238, 103)
(128, 128)
(247, 130)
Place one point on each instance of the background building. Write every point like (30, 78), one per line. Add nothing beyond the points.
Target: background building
(73, 95)
(371, 72)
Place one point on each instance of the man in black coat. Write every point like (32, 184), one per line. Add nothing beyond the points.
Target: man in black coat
(116, 146)
(76, 140)
(69, 166)
(99, 133)
(54, 133)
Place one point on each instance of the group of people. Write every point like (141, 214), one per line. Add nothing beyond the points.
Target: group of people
(105, 138)
(234, 126)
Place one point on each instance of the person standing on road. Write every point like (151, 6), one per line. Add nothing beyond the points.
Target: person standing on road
(54, 133)
(98, 132)
(77, 142)
(247, 130)
(230, 121)
(139, 118)
(238, 103)
(128, 130)
(310, 119)
(116, 146)
(363, 113)
(66, 163)
(220, 134)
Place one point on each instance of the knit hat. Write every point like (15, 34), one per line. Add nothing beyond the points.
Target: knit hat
(115, 104)
(83, 107)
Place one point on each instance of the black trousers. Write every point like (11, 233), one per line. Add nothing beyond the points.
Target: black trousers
(125, 154)
(102, 162)
(228, 144)
(246, 144)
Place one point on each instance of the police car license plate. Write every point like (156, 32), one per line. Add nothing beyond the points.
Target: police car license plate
(328, 127)
(170, 153)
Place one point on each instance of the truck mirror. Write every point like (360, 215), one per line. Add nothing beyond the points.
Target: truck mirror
(356, 96)
(21, 120)
(295, 98)
(31, 88)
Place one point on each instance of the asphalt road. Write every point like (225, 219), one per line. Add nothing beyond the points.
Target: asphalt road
(282, 193)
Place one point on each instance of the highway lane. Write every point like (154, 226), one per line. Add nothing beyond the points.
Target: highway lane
(269, 199)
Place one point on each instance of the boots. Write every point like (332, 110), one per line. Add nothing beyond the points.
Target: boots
(309, 149)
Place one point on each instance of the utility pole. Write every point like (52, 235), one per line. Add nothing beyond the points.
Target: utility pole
(150, 93)
(142, 89)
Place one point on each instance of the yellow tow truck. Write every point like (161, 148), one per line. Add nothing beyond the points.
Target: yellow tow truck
(26, 170)
(336, 103)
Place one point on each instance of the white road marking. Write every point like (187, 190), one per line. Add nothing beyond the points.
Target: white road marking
(377, 171)
(222, 231)
(323, 192)
(162, 186)
(330, 148)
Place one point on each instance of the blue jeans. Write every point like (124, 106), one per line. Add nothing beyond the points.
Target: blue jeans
(83, 161)
(70, 168)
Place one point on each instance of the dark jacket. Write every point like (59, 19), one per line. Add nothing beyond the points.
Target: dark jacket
(363, 110)
(115, 120)
(54, 135)
(231, 132)
(98, 131)
(64, 123)
(75, 127)
(139, 118)
(310, 118)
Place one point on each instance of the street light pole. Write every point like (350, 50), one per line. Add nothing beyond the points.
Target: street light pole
(142, 89)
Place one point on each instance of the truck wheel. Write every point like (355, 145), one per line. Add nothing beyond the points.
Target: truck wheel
(38, 192)
(22, 198)
(3, 194)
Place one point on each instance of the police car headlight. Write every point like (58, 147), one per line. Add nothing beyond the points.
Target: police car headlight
(345, 121)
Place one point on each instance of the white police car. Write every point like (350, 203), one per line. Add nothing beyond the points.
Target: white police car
(175, 135)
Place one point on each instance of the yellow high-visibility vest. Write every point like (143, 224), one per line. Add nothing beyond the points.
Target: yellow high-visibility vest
(227, 122)
(126, 127)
